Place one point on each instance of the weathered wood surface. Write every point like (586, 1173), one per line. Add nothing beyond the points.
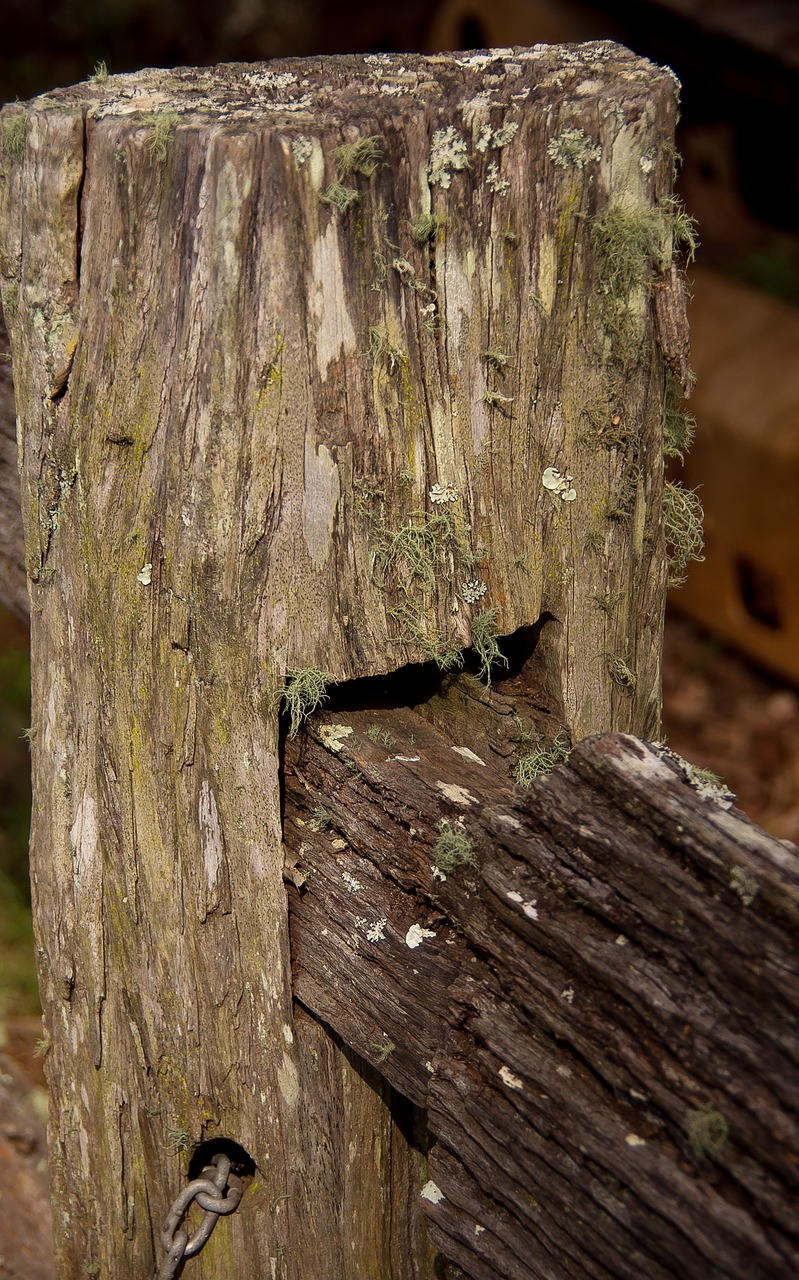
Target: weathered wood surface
(13, 580)
(602, 1023)
(235, 401)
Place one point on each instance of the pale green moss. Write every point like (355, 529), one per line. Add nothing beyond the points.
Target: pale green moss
(425, 228)
(14, 128)
(163, 128)
(363, 156)
(620, 673)
(453, 848)
(340, 197)
(682, 527)
(485, 643)
(541, 759)
(306, 689)
(708, 1133)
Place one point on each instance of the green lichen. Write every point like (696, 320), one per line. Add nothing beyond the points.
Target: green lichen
(485, 643)
(100, 73)
(496, 359)
(678, 426)
(14, 136)
(620, 672)
(363, 156)
(382, 737)
(425, 227)
(306, 689)
(605, 601)
(682, 528)
(708, 1133)
(383, 1050)
(632, 247)
(11, 300)
(453, 848)
(433, 645)
(382, 351)
(177, 1139)
(541, 759)
(163, 128)
(341, 197)
(495, 400)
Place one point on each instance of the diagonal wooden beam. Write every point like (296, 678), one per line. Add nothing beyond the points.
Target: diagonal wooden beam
(599, 1014)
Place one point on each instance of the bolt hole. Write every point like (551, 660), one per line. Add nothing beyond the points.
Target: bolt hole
(760, 593)
(472, 34)
(241, 1162)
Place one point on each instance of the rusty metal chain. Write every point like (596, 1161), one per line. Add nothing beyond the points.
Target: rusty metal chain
(209, 1192)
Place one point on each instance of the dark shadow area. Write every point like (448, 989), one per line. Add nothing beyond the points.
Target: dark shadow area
(241, 1162)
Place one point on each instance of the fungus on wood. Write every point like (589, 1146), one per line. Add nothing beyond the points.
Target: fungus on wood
(295, 347)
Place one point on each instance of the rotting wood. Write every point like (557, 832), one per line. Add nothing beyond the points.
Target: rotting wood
(238, 388)
(600, 1016)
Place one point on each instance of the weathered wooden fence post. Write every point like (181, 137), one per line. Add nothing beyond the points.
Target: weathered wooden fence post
(322, 367)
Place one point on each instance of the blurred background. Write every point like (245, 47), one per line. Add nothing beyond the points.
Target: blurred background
(731, 666)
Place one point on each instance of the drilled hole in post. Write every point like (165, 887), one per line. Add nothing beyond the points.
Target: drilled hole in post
(760, 593)
(241, 1162)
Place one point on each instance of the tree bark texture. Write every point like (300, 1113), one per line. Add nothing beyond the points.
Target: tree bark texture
(599, 1013)
(317, 365)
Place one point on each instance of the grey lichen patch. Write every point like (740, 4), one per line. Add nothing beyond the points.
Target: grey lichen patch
(744, 884)
(485, 643)
(302, 150)
(306, 689)
(541, 759)
(453, 848)
(498, 138)
(448, 152)
(341, 197)
(573, 149)
(363, 157)
(498, 185)
(620, 672)
(682, 527)
(163, 128)
(14, 129)
(708, 1133)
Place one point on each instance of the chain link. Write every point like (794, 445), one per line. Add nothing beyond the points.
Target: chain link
(209, 1192)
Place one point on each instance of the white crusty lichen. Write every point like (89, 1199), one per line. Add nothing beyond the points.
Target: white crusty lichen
(432, 1193)
(416, 936)
(508, 1078)
(573, 149)
(473, 590)
(558, 484)
(447, 152)
(441, 493)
